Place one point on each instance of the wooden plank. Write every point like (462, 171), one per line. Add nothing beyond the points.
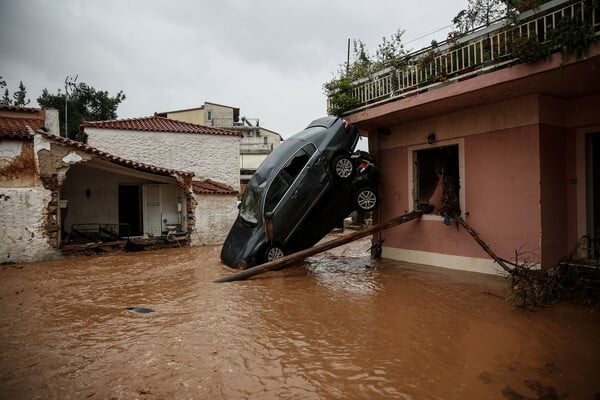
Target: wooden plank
(319, 248)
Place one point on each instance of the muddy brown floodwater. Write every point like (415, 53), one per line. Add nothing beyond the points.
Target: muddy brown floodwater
(331, 328)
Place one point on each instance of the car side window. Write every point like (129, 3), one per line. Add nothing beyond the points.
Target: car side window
(284, 179)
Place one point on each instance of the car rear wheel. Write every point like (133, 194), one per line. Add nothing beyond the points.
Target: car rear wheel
(273, 253)
(343, 168)
(366, 199)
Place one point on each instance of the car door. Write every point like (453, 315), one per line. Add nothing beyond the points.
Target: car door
(293, 191)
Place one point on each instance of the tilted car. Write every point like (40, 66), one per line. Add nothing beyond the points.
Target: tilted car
(300, 192)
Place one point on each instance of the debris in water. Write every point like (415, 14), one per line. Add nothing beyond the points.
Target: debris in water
(140, 310)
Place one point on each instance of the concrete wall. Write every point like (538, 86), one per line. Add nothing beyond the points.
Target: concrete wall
(23, 205)
(195, 116)
(214, 216)
(213, 157)
(23, 213)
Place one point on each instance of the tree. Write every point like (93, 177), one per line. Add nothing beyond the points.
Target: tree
(84, 103)
(20, 96)
(478, 13)
(6, 98)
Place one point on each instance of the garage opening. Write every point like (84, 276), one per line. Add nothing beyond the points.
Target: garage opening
(437, 180)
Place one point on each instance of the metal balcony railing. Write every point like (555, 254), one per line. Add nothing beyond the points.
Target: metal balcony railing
(482, 50)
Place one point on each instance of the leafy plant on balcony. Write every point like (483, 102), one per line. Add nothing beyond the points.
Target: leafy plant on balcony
(528, 49)
(390, 54)
(340, 96)
(572, 36)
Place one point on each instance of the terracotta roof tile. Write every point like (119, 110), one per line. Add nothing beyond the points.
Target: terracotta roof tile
(19, 127)
(209, 186)
(159, 124)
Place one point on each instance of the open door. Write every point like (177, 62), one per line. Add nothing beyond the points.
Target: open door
(593, 207)
(130, 212)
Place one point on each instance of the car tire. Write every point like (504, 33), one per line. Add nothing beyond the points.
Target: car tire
(366, 199)
(273, 253)
(342, 167)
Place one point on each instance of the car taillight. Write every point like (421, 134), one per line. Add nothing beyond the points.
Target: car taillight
(362, 166)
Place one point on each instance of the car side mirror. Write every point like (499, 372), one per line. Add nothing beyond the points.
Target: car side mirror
(269, 215)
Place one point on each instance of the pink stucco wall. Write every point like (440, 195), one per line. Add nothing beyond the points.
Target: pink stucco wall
(501, 198)
(558, 196)
(502, 190)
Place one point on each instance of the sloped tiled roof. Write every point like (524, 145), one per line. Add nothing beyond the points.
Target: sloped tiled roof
(209, 186)
(29, 134)
(19, 127)
(158, 124)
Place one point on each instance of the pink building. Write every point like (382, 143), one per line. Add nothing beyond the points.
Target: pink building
(520, 146)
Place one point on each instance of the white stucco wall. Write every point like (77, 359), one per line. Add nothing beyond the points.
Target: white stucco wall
(22, 214)
(213, 157)
(215, 215)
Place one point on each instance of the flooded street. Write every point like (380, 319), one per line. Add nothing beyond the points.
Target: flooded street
(332, 328)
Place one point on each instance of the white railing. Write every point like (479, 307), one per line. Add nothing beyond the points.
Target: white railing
(481, 51)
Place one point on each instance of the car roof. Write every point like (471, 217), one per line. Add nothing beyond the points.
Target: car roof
(312, 133)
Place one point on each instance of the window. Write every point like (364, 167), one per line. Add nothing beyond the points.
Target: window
(437, 180)
(209, 115)
(284, 179)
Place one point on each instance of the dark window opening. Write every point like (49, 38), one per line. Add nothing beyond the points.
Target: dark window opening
(437, 180)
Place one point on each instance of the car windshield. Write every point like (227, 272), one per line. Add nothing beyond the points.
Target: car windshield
(250, 206)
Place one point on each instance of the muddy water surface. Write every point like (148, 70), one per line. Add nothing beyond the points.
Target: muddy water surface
(332, 328)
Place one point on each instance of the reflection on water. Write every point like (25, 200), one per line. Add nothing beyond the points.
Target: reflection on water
(331, 328)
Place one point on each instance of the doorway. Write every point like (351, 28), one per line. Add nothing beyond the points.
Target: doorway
(594, 194)
(130, 211)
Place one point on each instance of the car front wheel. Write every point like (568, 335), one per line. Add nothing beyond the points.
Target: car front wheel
(343, 167)
(366, 199)
(273, 253)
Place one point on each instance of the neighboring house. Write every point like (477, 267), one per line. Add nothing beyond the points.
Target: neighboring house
(55, 191)
(211, 154)
(256, 144)
(516, 147)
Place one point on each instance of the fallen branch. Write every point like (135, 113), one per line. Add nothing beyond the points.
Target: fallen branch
(500, 261)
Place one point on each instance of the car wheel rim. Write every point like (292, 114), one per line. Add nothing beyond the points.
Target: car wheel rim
(366, 199)
(274, 254)
(343, 168)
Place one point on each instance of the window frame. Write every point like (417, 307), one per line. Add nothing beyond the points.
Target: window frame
(411, 157)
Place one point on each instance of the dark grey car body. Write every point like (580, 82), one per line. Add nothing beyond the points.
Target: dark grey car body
(295, 198)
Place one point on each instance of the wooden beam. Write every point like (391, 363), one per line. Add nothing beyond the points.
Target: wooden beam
(318, 248)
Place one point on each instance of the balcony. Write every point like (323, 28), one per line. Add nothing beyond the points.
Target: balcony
(559, 25)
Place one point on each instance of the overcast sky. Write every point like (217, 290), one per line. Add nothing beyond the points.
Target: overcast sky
(269, 58)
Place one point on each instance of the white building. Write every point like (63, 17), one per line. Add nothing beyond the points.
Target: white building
(211, 154)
